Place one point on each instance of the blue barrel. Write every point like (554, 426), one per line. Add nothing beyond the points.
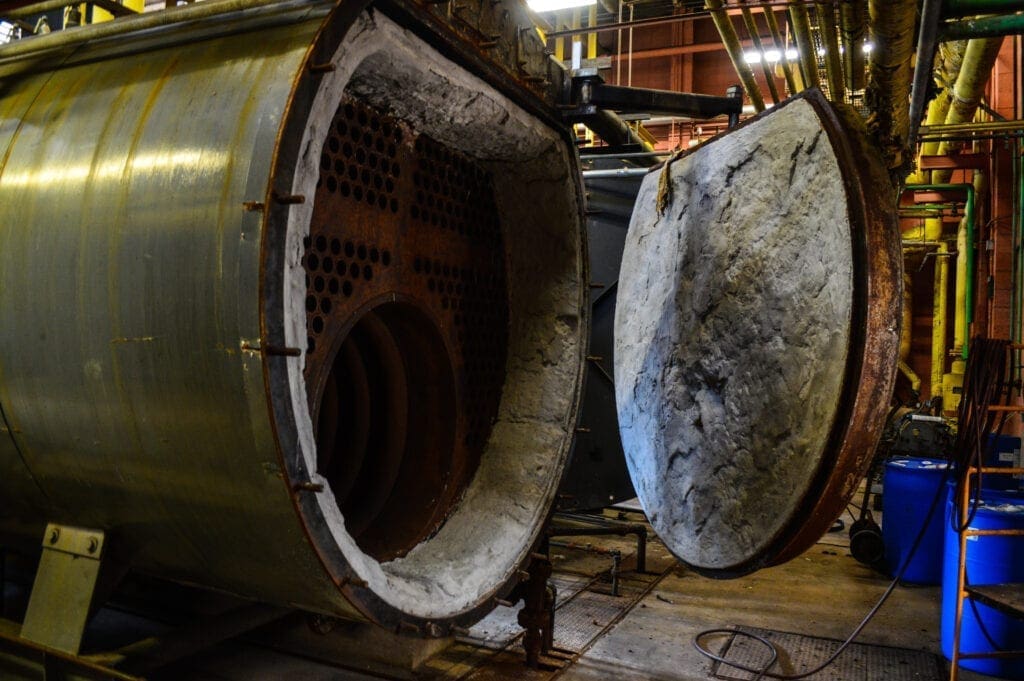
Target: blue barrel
(1001, 451)
(990, 560)
(908, 488)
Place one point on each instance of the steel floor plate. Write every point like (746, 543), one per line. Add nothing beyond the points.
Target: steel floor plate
(799, 654)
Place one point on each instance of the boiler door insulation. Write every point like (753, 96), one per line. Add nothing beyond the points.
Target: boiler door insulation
(754, 363)
(294, 307)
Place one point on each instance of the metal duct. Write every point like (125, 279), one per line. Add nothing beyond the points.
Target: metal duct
(275, 314)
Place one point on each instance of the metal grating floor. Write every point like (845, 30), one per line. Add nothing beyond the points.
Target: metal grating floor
(798, 654)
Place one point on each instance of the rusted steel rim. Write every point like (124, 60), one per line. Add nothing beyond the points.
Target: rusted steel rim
(391, 340)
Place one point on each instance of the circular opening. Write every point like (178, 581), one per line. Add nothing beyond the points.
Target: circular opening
(385, 420)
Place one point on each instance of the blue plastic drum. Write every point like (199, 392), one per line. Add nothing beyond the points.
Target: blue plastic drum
(990, 560)
(909, 487)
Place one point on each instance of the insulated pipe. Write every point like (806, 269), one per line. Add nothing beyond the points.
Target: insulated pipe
(889, 75)
(274, 317)
(949, 59)
(979, 58)
(960, 299)
(735, 49)
(851, 24)
(940, 302)
(755, 38)
(780, 45)
(967, 254)
(808, 55)
(833, 61)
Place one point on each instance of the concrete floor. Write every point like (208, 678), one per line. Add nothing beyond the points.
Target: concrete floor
(823, 593)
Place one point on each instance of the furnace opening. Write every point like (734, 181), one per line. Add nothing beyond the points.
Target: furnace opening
(385, 423)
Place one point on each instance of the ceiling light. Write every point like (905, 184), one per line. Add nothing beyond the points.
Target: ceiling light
(791, 55)
(556, 5)
(868, 47)
(772, 56)
(752, 57)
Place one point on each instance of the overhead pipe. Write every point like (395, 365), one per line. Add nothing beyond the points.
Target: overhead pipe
(983, 27)
(755, 38)
(833, 61)
(732, 45)
(808, 55)
(979, 58)
(967, 254)
(888, 88)
(780, 45)
(927, 42)
(851, 25)
(949, 59)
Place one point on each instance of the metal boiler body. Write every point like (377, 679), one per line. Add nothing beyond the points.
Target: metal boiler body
(293, 307)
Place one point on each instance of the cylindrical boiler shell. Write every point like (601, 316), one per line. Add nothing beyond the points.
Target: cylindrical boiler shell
(154, 197)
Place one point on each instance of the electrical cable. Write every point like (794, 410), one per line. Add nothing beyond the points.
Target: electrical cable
(764, 673)
(983, 384)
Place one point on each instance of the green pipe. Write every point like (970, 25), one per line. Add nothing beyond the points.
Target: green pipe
(732, 45)
(960, 8)
(975, 71)
(969, 278)
(808, 56)
(982, 27)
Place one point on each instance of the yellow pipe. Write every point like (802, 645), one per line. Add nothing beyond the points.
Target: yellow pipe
(732, 45)
(808, 57)
(833, 62)
(592, 37)
(780, 45)
(931, 230)
(979, 58)
(915, 380)
(960, 303)
(100, 16)
(755, 38)
(940, 301)
(851, 22)
(947, 68)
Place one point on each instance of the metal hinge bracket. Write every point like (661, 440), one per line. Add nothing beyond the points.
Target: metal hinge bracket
(63, 590)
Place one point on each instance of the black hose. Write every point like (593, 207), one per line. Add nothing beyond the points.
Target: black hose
(763, 671)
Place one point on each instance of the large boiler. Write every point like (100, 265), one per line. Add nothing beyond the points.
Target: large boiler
(293, 301)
